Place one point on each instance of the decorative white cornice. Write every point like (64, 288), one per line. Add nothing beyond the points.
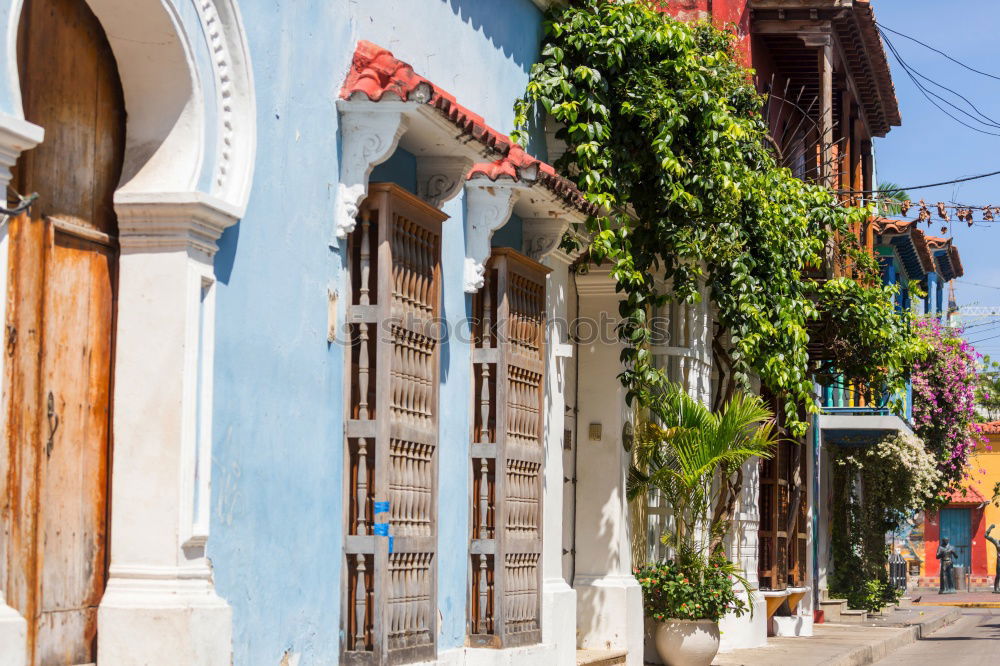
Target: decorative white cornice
(16, 136)
(439, 179)
(172, 221)
(488, 206)
(369, 134)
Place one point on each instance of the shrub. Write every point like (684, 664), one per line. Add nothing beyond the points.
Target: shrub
(694, 590)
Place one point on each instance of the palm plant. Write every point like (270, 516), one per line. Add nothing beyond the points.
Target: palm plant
(694, 458)
(891, 198)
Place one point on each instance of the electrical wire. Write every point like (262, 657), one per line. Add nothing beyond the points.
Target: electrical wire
(931, 95)
(983, 118)
(976, 342)
(924, 187)
(882, 26)
(978, 284)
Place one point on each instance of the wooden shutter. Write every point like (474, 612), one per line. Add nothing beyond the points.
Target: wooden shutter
(389, 600)
(782, 535)
(507, 453)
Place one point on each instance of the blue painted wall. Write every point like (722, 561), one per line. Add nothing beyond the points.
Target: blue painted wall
(276, 543)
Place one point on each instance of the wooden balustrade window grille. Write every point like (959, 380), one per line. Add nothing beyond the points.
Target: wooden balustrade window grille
(394, 262)
(507, 453)
(782, 535)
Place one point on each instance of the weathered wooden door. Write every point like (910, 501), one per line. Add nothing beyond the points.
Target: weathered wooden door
(59, 333)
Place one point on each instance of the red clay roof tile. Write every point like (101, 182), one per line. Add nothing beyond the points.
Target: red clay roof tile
(375, 74)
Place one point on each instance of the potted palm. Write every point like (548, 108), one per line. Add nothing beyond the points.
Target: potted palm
(694, 458)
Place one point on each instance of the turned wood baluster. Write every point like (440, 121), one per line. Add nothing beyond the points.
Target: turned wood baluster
(363, 368)
(481, 621)
(484, 369)
(360, 604)
(484, 498)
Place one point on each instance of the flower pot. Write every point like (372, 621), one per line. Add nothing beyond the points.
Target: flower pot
(687, 642)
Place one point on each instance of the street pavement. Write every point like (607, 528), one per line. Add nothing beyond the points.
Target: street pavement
(973, 640)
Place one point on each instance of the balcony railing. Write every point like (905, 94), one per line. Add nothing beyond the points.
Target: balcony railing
(842, 397)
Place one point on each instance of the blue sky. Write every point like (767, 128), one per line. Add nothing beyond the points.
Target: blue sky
(930, 147)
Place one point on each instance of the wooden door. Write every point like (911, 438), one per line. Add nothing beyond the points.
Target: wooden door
(59, 334)
(956, 526)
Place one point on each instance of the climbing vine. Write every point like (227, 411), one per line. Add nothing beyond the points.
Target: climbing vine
(664, 133)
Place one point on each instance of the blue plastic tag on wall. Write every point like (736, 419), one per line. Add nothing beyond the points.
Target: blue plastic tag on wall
(390, 545)
(381, 507)
(382, 529)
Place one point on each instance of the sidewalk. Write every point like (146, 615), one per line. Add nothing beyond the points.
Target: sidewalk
(961, 599)
(846, 644)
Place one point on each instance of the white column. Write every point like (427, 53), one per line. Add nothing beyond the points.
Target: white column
(16, 136)
(609, 599)
(747, 631)
(541, 240)
(160, 606)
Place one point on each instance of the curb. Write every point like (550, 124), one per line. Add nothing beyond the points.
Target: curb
(960, 604)
(869, 654)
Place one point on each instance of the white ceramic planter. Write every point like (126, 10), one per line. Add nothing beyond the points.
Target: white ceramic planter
(687, 642)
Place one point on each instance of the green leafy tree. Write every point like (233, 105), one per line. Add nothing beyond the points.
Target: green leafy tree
(663, 132)
(988, 389)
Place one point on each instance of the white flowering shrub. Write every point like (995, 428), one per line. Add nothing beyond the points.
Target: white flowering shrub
(876, 489)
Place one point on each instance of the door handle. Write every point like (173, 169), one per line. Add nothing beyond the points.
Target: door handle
(53, 425)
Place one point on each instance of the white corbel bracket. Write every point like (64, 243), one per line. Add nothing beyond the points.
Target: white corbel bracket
(543, 237)
(488, 206)
(439, 179)
(16, 136)
(369, 134)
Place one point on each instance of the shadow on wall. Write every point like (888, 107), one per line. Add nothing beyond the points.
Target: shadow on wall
(591, 613)
(506, 23)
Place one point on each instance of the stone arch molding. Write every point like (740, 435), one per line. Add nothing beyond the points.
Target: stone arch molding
(188, 91)
(189, 160)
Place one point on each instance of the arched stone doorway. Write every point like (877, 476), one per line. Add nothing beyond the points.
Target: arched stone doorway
(185, 166)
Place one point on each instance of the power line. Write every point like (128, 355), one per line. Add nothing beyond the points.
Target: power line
(924, 187)
(978, 284)
(985, 119)
(882, 26)
(976, 342)
(930, 95)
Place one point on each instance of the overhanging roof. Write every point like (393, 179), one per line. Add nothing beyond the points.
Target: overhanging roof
(852, 22)
(910, 242)
(949, 263)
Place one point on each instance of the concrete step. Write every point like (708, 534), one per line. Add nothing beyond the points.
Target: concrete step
(851, 616)
(832, 609)
(600, 657)
(905, 602)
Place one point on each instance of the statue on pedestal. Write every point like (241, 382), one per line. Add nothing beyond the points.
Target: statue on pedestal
(996, 544)
(946, 553)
